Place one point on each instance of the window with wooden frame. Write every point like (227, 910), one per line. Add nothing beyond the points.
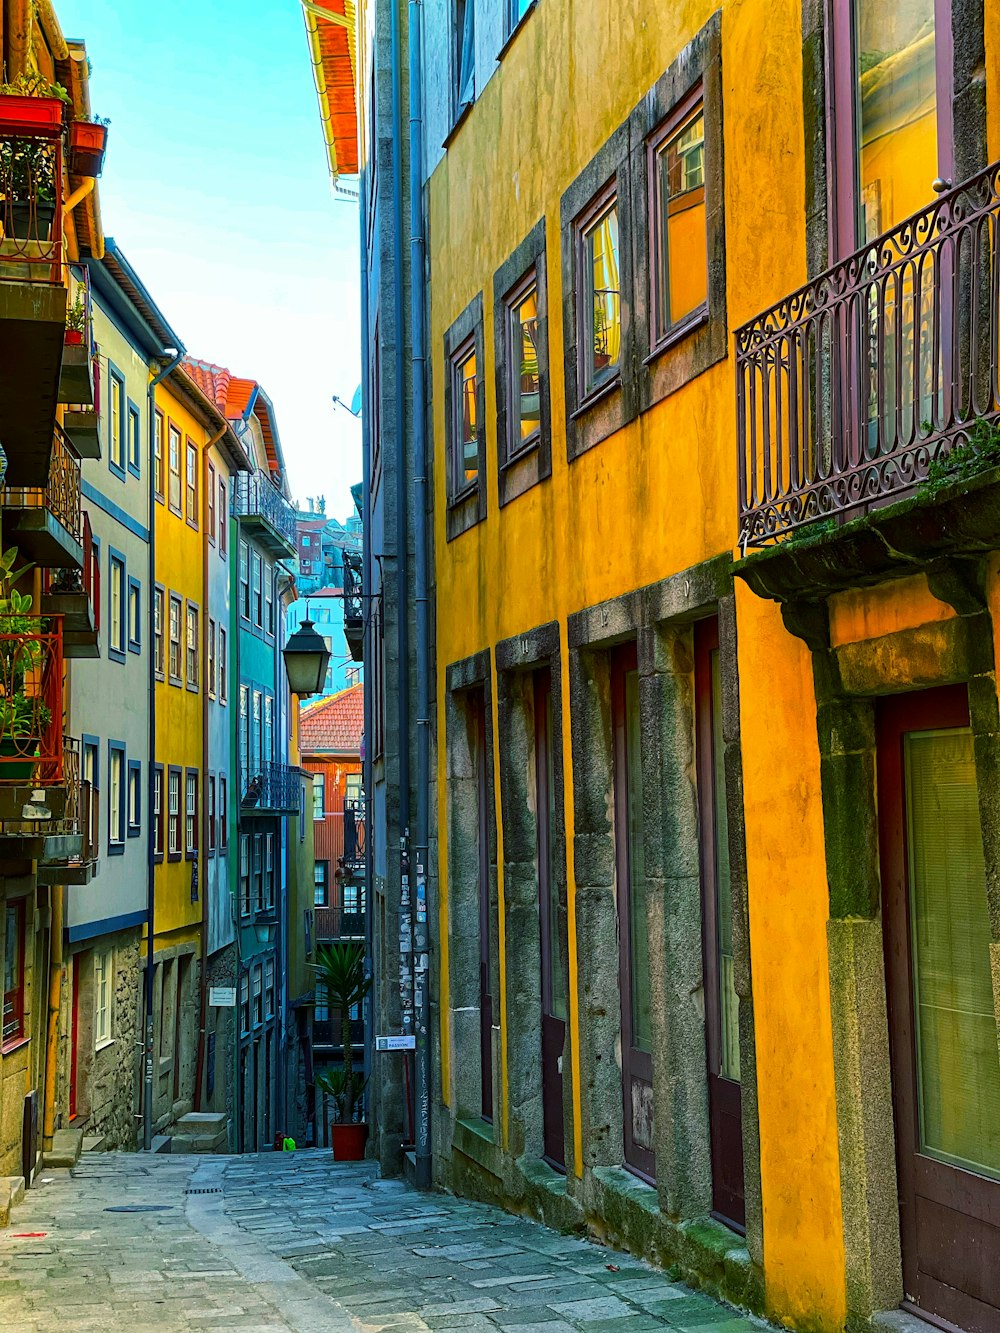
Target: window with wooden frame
(191, 484)
(598, 286)
(245, 1003)
(677, 222)
(223, 810)
(210, 497)
(116, 798)
(158, 812)
(134, 798)
(268, 577)
(174, 468)
(321, 884)
(516, 11)
(268, 987)
(245, 580)
(211, 815)
(13, 973)
(158, 477)
(116, 422)
(465, 434)
(175, 640)
(245, 903)
(269, 870)
(211, 658)
(174, 814)
(134, 616)
(223, 520)
(104, 990)
(256, 992)
(257, 872)
(523, 387)
(223, 665)
(464, 56)
(256, 588)
(192, 647)
(116, 606)
(159, 647)
(134, 441)
(191, 814)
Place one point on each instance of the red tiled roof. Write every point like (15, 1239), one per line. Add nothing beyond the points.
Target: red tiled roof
(334, 725)
(232, 396)
(332, 51)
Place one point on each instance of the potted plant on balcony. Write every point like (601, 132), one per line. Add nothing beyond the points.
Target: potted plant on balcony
(31, 106)
(23, 717)
(341, 970)
(88, 140)
(76, 323)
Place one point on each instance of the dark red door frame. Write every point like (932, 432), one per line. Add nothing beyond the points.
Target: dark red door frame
(553, 1027)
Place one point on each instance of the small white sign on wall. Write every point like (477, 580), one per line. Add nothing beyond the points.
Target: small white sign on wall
(395, 1043)
(222, 997)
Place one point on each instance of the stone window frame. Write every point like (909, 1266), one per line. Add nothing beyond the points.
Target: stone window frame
(464, 680)
(518, 659)
(517, 473)
(468, 508)
(660, 619)
(592, 418)
(700, 342)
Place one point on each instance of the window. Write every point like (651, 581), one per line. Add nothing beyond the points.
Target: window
(321, 884)
(223, 521)
(13, 972)
(319, 795)
(244, 580)
(223, 665)
(269, 870)
(243, 735)
(516, 10)
(306, 539)
(174, 496)
(92, 776)
(116, 797)
(134, 616)
(257, 872)
(211, 814)
(257, 736)
(269, 987)
(104, 973)
(267, 753)
(174, 813)
(134, 798)
(134, 445)
(245, 903)
(256, 1008)
(598, 284)
(175, 639)
(192, 647)
(257, 601)
(116, 606)
(158, 455)
(245, 1003)
(465, 433)
(159, 597)
(465, 436)
(158, 811)
(191, 484)
(321, 1011)
(211, 658)
(211, 503)
(679, 246)
(269, 598)
(116, 422)
(223, 810)
(523, 388)
(191, 814)
(464, 55)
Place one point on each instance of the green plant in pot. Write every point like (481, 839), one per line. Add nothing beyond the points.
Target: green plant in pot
(340, 969)
(76, 322)
(23, 716)
(28, 157)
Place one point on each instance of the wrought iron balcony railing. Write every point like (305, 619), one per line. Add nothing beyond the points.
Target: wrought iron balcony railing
(355, 825)
(849, 389)
(61, 497)
(270, 788)
(327, 1032)
(31, 701)
(339, 922)
(31, 184)
(354, 606)
(255, 498)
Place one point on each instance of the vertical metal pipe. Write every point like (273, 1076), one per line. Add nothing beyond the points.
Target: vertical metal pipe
(418, 414)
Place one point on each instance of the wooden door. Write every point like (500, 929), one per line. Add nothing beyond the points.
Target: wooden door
(554, 997)
(942, 1020)
(722, 1037)
(485, 991)
(633, 930)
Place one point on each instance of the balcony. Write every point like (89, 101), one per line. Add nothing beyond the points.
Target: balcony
(354, 605)
(339, 923)
(326, 1033)
(32, 283)
(262, 507)
(79, 375)
(46, 522)
(271, 789)
(355, 826)
(75, 595)
(877, 381)
(71, 855)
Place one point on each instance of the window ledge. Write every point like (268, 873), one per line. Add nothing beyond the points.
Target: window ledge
(509, 39)
(597, 396)
(458, 122)
(103, 1045)
(677, 335)
(13, 1045)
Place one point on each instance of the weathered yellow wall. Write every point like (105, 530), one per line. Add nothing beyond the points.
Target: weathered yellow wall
(178, 709)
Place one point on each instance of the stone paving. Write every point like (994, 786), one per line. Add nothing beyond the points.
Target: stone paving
(293, 1241)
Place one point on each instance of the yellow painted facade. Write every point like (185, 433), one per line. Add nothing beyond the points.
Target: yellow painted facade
(654, 499)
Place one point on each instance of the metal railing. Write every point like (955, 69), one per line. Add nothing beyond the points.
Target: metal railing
(254, 496)
(85, 580)
(354, 605)
(355, 826)
(270, 786)
(82, 813)
(849, 389)
(61, 496)
(327, 1032)
(31, 185)
(31, 700)
(336, 923)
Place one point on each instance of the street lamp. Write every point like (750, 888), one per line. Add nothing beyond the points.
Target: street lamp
(306, 660)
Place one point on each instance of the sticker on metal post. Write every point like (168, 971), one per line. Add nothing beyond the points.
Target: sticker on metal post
(402, 1043)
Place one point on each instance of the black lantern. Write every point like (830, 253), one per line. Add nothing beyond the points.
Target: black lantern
(306, 660)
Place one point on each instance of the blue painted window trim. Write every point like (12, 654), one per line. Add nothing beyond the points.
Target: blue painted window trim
(118, 848)
(134, 586)
(134, 466)
(116, 557)
(115, 374)
(97, 562)
(133, 830)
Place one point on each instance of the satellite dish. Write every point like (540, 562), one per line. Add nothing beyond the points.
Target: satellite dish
(356, 401)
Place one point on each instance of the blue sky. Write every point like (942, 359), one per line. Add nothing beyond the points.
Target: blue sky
(215, 186)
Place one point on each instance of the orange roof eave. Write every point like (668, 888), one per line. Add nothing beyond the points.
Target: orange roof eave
(332, 50)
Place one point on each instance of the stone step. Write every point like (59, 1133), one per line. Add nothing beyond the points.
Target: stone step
(201, 1122)
(11, 1194)
(94, 1142)
(200, 1143)
(67, 1145)
(160, 1143)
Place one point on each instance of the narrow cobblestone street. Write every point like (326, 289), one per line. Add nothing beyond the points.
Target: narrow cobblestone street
(292, 1241)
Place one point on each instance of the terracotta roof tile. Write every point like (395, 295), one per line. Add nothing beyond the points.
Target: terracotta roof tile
(334, 725)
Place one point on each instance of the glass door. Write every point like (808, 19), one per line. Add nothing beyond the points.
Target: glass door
(943, 1023)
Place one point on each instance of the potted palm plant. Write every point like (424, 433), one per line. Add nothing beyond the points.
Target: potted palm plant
(23, 716)
(340, 968)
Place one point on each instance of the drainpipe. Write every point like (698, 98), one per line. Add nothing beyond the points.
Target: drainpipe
(421, 938)
(147, 1053)
(402, 562)
(203, 845)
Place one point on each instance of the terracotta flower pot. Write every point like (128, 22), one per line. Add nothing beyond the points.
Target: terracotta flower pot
(87, 142)
(73, 338)
(31, 117)
(349, 1142)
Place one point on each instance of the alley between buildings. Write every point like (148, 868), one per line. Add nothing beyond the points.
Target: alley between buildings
(292, 1241)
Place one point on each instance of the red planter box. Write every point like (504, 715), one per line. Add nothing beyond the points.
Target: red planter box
(87, 142)
(31, 117)
(349, 1142)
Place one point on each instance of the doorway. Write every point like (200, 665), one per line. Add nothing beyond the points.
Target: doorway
(942, 1018)
(554, 990)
